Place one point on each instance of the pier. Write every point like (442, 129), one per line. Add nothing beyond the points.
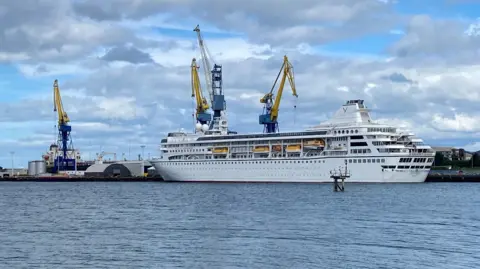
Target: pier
(339, 178)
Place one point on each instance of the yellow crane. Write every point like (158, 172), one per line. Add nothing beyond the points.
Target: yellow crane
(270, 116)
(64, 140)
(202, 116)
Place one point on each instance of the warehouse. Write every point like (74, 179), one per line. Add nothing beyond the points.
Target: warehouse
(136, 168)
(119, 169)
(108, 170)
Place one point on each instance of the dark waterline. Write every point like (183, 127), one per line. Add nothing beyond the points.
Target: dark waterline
(188, 225)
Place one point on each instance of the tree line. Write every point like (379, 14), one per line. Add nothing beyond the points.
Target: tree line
(456, 161)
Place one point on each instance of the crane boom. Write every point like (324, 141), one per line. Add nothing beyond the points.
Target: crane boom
(203, 117)
(64, 141)
(58, 105)
(206, 56)
(271, 109)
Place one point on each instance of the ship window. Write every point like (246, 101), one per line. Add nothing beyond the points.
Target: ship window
(383, 160)
(369, 161)
(378, 160)
(358, 144)
(364, 161)
(356, 131)
(350, 161)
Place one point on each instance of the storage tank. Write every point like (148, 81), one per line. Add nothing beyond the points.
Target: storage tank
(40, 167)
(31, 168)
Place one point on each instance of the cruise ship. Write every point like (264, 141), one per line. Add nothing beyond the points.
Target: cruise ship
(372, 152)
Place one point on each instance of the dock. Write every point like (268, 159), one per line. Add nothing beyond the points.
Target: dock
(81, 179)
(458, 178)
(339, 176)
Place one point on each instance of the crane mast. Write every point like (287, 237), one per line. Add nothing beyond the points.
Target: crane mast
(202, 116)
(207, 67)
(270, 113)
(62, 161)
(214, 81)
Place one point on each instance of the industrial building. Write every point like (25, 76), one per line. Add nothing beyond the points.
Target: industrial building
(7, 172)
(119, 169)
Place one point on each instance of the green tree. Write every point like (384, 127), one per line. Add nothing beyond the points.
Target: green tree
(440, 159)
(476, 159)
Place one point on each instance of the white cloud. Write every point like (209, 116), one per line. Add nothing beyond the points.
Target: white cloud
(472, 146)
(43, 70)
(459, 123)
(124, 108)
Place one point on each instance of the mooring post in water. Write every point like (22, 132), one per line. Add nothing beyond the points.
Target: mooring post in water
(339, 176)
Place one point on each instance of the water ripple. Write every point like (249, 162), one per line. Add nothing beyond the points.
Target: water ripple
(155, 225)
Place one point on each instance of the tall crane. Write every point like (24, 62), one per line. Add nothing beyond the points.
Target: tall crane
(202, 116)
(213, 79)
(62, 162)
(270, 112)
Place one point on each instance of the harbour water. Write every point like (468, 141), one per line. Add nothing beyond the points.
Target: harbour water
(187, 225)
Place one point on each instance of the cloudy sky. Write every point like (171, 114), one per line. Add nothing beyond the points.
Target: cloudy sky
(123, 67)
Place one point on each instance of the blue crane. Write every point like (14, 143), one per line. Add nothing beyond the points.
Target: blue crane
(62, 161)
(270, 114)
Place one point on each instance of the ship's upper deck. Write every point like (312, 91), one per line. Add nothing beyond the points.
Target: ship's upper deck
(352, 115)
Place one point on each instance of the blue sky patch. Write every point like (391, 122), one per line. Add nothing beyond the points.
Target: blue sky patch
(369, 44)
(439, 8)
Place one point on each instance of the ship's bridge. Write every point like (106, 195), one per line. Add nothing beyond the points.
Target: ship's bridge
(353, 112)
(359, 102)
(176, 134)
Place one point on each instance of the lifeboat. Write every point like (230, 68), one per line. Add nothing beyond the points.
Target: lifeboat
(276, 148)
(294, 148)
(220, 150)
(261, 149)
(314, 144)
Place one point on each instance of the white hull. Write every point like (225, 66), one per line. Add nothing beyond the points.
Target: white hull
(316, 170)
